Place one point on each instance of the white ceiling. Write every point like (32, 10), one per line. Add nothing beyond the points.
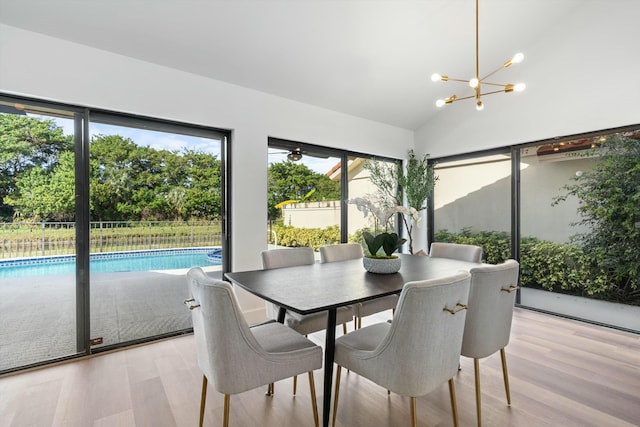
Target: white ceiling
(368, 58)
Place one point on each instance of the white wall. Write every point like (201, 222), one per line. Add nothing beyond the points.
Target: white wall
(43, 67)
(582, 77)
(478, 197)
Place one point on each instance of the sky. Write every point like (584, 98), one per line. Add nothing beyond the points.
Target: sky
(314, 163)
(177, 142)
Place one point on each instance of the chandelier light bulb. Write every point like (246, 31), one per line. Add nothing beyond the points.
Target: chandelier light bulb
(474, 82)
(519, 87)
(435, 77)
(440, 103)
(479, 105)
(517, 58)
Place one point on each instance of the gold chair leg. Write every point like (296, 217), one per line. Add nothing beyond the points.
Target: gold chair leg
(476, 369)
(336, 393)
(454, 405)
(203, 399)
(344, 329)
(225, 419)
(355, 323)
(314, 404)
(359, 322)
(295, 384)
(505, 375)
(414, 418)
(270, 390)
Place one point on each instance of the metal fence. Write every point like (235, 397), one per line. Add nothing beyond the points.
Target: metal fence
(22, 239)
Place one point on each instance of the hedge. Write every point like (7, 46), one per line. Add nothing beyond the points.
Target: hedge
(556, 267)
(313, 237)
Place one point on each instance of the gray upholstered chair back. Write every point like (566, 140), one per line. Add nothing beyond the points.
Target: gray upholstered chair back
(285, 257)
(228, 353)
(347, 251)
(491, 300)
(341, 252)
(458, 251)
(422, 346)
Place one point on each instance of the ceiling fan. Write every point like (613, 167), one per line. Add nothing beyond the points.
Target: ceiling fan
(296, 154)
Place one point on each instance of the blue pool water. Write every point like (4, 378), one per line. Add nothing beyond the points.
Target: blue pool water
(168, 259)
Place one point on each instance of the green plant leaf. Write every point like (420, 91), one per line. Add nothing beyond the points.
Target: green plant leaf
(391, 242)
(374, 243)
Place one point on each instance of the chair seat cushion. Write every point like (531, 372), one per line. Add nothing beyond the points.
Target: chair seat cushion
(310, 323)
(355, 344)
(377, 305)
(278, 338)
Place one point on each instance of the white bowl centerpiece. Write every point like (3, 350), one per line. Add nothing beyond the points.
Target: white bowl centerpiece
(386, 262)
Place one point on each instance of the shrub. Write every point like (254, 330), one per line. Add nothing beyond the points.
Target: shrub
(556, 267)
(313, 237)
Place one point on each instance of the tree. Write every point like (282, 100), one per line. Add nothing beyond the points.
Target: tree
(26, 143)
(295, 181)
(203, 196)
(46, 196)
(127, 182)
(610, 209)
(130, 182)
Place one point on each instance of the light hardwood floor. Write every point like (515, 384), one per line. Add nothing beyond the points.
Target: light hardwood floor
(562, 373)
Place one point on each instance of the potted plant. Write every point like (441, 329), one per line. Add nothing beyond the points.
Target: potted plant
(386, 262)
(383, 244)
(416, 181)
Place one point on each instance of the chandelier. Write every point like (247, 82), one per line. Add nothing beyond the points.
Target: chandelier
(476, 82)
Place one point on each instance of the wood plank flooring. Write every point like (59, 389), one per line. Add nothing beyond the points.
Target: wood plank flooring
(562, 373)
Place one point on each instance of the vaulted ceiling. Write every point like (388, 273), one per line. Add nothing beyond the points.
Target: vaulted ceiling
(372, 59)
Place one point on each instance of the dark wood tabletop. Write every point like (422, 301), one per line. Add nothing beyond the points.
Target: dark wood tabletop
(319, 287)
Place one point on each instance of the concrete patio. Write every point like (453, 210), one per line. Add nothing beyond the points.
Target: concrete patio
(37, 314)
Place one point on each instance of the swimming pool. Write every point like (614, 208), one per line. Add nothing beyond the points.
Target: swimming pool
(165, 259)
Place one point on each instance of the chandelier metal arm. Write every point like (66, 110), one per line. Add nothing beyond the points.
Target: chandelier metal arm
(474, 96)
(492, 73)
(450, 79)
(496, 84)
(492, 92)
(464, 97)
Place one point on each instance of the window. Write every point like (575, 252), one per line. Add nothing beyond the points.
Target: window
(308, 193)
(102, 214)
(566, 209)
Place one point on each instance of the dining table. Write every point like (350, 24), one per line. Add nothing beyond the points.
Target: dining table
(326, 287)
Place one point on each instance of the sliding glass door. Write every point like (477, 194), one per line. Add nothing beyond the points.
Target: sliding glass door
(38, 293)
(101, 216)
(156, 208)
(580, 219)
(309, 192)
(567, 209)
(472, 204)
(303, 195)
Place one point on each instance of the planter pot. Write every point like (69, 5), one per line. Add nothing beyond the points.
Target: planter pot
(382, 265)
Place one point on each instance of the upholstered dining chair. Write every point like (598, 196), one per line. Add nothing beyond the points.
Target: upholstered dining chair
(458, 251)
(488, 325)
(347, 251)
(237, 358)
(303, 324)
(416, 352)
